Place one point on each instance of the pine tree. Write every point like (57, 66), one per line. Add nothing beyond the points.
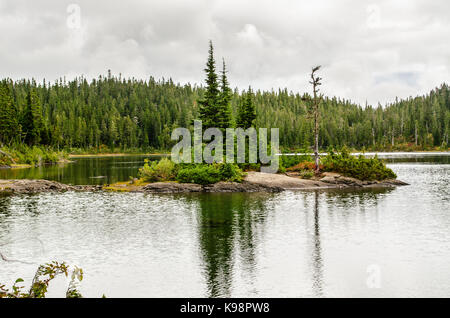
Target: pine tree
(224, 111)
(247, 113)
(32, 122)
(209, 104)
(9, 126)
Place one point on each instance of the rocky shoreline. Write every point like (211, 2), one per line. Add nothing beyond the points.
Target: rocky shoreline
(37, 186)
(253, 182)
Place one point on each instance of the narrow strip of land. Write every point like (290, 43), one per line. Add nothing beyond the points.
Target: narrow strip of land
(253, 182)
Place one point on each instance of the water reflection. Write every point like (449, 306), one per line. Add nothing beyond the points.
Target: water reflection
(95, 170)
(229, 228)
(5, 199)
(334, 211)
(420, 158)
(316, 251)
(32, 205)
(292, 244)
(232, 227)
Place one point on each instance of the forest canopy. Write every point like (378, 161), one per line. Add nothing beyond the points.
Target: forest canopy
(115, 113)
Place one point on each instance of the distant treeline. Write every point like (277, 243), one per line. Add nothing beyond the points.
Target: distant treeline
(118, 114)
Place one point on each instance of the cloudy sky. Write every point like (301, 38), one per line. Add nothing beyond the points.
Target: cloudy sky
(369, 50)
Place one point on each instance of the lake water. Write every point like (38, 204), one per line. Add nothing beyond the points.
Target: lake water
(380, 243)
(84, 171)
(107, 170)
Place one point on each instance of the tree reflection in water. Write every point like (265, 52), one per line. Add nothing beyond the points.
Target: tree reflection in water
(230, 225)
(231, 230)
(317, 252)
(353, 201)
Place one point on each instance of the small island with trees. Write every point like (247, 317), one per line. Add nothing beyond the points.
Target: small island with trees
(79, 116)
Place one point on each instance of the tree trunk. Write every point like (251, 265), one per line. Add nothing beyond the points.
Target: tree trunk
(316, 140)
(373, 136)
(392, 137)
(316, 82)
(316, 130)
(415, 134)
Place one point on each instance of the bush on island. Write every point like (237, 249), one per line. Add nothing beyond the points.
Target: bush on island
(357, 167)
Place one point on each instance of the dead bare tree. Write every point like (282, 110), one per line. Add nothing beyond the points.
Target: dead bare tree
(315, 81)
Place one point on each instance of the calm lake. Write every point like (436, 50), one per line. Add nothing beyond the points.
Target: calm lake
(380, 243)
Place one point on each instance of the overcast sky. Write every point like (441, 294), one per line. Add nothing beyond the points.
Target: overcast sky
(369, 50)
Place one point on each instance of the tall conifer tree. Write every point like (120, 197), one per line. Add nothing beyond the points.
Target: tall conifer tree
(247, 112)
(225, 114)
(209, 104)
(9, 126)
(33, 124)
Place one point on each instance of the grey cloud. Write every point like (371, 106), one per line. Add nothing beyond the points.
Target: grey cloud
(369, 50)
(408, 78)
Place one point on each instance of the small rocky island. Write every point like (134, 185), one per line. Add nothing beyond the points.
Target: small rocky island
(253, 182)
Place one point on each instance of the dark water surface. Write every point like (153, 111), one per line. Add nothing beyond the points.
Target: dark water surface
(84, 171)
(381, 243)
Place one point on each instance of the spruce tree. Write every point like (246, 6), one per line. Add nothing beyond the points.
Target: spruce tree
(9, 126)
(32, 122)
(209, 113)
(247, 112)
(224, 111)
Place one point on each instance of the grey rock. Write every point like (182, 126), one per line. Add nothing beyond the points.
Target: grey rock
(172, 187)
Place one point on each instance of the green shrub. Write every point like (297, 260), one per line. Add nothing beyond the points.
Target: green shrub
(201, 174)
(209, 173)
(5, 160)
(307, 174)
(23, 154)
(230, 172)
(153, 171)
(357, 167)
(290, 161)
(249, 166)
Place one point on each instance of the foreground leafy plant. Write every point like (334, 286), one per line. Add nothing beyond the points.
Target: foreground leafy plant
(39, 286)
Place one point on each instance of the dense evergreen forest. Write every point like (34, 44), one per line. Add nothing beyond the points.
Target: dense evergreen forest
(112, 113)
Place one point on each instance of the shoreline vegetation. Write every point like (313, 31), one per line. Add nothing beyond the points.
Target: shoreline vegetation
(29, 157)
(285, 152)
(22, 156)
(118, 154)
(338, 171)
